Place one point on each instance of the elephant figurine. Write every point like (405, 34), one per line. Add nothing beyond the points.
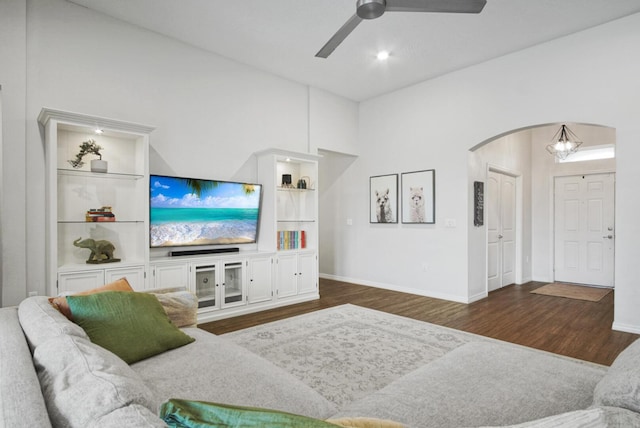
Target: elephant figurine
(101, 250)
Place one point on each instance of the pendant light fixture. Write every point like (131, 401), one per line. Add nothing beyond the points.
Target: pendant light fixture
(563, 143)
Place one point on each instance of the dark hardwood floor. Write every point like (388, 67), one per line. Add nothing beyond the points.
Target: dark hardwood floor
(575, 328)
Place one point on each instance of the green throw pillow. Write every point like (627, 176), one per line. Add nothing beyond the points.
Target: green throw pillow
(134, 326)
(191, 414)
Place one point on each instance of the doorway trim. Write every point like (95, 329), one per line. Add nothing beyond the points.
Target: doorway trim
(519, 223)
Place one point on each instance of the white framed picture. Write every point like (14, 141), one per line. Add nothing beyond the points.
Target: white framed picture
(383, 197)
(419, 196)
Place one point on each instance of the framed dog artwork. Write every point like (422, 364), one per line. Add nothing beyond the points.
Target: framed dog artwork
(383, 198)
(419, 197)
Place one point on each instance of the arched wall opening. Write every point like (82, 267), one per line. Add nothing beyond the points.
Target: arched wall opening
(522, 153)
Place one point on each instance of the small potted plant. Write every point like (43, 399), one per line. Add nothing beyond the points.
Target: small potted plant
(90, 146)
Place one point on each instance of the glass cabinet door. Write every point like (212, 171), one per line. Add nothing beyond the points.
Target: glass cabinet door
(206, 286)
(233, 283)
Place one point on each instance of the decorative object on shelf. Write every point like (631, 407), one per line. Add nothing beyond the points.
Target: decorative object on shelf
(286, 180)
(564, 143)
(419, 197)
(383, 198)
(291, 239)
(100, 214)
(101, 250)
(304, 182)
(478, 203)
(90, 146)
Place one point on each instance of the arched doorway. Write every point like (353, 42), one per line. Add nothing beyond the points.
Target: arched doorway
(523, 151)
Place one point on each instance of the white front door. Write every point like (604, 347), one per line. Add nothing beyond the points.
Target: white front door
(584, 229)
(501, 228)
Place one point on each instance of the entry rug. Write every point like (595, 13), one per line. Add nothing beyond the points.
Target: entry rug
(347, 352)
(572, 291)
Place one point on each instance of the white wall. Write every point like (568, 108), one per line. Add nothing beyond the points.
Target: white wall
(435, 123)
(12, 217)
(210, 113)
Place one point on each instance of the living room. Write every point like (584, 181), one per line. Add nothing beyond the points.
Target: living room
(69, 57)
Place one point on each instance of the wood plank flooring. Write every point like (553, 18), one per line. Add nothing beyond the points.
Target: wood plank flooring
(575, 328)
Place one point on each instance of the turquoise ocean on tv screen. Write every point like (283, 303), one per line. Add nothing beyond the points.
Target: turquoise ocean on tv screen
(202, 226)
(198, 215)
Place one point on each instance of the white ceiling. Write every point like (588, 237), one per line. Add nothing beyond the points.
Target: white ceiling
(283, 36)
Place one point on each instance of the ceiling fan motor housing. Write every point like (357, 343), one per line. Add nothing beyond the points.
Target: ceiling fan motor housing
(370, 9)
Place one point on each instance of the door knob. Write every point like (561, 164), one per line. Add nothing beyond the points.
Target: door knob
(608, 236)
(500, 236)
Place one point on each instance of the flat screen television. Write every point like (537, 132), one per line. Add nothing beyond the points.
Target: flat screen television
(195, 212)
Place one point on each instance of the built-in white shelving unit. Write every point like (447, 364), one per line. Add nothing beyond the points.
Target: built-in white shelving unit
(71, 192)
(290, 182)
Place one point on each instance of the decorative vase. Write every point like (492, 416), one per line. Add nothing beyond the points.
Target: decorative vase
(98, 165)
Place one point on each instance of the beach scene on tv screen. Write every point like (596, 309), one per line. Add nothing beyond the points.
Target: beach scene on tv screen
(202, 212)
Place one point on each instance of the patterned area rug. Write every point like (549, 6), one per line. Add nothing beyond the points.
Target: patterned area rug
(572, 291)
(347, 352)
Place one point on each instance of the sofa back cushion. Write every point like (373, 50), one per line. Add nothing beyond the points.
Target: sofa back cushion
(180, 305)
(40, 322)
(620, 387)
(21, 402)
(82, 382)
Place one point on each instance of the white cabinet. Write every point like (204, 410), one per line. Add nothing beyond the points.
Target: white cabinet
(77, 197)
(169, 275)
(135, 275)
(260, 275)
(218, 284)
(289, 224)
(81, 280)
(296, 274)
(307, 273)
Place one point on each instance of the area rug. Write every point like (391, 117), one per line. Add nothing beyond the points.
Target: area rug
(572, 291)
(347, 352)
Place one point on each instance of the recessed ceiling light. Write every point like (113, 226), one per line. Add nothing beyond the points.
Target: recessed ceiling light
(382, 56)
(99, 131)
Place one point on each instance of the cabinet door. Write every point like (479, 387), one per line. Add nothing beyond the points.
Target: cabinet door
(287, 274)
(307, 277)
(233, 284)
(260, 280)
(133, 274)
(170, 275)
(80, 281)
(206, 285)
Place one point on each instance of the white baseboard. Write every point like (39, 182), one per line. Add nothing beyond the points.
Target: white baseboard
(392, 287)
(626, 328)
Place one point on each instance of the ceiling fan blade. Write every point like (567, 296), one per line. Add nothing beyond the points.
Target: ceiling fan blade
(340, 35)
(445, 6)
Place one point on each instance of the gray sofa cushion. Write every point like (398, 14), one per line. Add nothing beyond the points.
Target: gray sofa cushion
(21, 402)
(598, 417)
(620, 387)
(214, 369)
(41, 321)
(133, 415)
(82, 382)
(482, 383)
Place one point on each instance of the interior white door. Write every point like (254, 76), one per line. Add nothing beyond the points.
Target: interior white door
(584, 229)
(501, 229)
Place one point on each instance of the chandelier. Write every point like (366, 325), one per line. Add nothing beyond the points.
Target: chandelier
(563, 143)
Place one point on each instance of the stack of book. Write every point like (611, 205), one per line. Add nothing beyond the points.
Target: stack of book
(291, 239)
(100, 214)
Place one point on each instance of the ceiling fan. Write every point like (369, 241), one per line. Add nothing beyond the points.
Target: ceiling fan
(371, 9)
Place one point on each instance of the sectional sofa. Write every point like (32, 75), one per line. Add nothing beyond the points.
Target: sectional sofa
(51, 374)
